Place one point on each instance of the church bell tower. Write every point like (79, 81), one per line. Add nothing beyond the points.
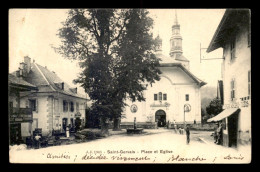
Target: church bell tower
(176, 40)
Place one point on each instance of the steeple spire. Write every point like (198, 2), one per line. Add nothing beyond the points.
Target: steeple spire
(176, 19)
(176, 39)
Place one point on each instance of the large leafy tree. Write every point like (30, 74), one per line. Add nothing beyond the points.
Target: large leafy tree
(115, 50)
(214, 107)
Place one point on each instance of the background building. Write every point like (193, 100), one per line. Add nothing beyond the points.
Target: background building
(55, 105)
(234, 36)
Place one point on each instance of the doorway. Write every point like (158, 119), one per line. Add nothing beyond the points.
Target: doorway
(232, 130)
(160, 118)
(15, 134)
(64, 124)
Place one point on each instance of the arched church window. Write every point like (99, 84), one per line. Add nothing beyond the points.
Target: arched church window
(160, 95)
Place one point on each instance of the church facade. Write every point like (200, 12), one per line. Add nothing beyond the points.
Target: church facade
(175, 99)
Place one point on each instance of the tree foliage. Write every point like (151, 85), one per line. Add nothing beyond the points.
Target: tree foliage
(214, 107)
(115, 49)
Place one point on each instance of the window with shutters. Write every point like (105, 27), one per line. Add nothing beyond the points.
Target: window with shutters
(233, 89)
(71, 106)
(65, 106)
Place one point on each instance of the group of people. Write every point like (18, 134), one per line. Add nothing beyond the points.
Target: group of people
(182, 130)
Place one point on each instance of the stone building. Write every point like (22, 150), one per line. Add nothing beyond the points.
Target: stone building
(234, 36)
(165, 99)
(55, 105)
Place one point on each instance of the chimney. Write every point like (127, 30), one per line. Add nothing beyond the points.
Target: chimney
(21, 69)
(27, 61)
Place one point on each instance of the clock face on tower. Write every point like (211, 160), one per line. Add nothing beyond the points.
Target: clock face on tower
(133, 108)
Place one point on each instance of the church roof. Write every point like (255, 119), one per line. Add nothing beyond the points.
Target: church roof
(167, 59)
(196, 79)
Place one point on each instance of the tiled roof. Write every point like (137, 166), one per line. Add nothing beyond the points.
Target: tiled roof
(46, 79)
(14, 80)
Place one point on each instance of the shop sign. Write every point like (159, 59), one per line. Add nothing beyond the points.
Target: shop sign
(233, 105)
(242, 103)
(20, 118)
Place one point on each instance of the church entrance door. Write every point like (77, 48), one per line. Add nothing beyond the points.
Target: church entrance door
(160, 118)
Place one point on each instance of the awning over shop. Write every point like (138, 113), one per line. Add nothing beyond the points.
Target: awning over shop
(224, 114)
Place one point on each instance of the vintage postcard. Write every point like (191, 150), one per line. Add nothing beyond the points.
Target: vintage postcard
(134, 86)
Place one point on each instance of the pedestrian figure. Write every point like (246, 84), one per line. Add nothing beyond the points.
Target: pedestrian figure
(219, 133)
(37, 139)
(215, 134)
(188, 133)
(175, 128)
(67, 131)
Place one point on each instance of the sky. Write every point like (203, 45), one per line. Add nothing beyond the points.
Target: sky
(33, 31)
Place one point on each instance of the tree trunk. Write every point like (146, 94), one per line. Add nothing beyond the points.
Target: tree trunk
(104, 127)
(117, 122)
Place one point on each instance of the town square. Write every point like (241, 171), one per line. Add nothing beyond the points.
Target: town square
(129, 86)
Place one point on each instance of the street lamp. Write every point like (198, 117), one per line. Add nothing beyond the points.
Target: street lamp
(186, 108)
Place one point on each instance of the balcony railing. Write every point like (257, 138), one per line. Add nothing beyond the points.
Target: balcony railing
(20, 115)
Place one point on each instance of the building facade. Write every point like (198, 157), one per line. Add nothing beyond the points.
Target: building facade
(55, 105)
(18, 115)
(165, 99)
(234, 36)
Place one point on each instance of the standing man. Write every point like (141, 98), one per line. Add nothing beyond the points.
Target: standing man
(175, 126)
(37, 139)
(219, 132)
(67, 131)
(188, 133)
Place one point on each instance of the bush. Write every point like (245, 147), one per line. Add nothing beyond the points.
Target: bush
(89, 134)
